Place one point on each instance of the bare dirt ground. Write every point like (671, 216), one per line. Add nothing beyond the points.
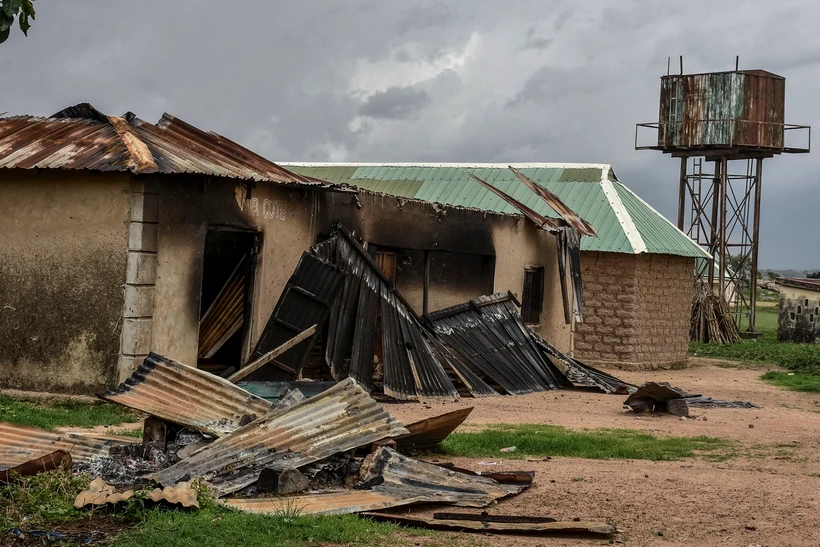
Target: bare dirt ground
(766, 494)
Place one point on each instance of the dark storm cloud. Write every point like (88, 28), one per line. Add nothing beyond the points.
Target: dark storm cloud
(461, 80)
(395, 103)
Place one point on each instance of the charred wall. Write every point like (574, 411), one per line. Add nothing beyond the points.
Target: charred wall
(188, 207)
(799, 315)
(63, 240)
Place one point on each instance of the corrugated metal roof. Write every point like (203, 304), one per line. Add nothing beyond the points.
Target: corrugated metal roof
(81, 137)
(19, 444)
(579, 186)
(187, 396)
(405, 481)
(342, 418)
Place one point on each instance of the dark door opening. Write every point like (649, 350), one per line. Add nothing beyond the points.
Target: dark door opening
(229, 265)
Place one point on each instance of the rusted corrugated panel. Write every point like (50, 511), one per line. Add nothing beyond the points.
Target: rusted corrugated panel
(401, 481)
(81, 137)
(226, 313)
(570, 216)
(19, 444)
(340, 419)
(489, 333)
(429, 432)
(187, 396)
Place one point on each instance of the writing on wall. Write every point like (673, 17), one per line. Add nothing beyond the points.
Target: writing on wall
(265, 208)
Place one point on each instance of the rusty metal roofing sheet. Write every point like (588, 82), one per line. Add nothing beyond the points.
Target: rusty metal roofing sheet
(572, 218)
(81, 137)
(368, 301)
(342, 418)
(187, 396)
(498, 524)
(429, 432)
(490, 334)
(401, 481)
(19, 444)
(226, 314)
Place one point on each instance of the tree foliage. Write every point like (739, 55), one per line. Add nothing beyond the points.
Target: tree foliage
(23, 10)
(813, 275)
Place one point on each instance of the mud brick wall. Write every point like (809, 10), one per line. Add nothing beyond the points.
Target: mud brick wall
(637, 310)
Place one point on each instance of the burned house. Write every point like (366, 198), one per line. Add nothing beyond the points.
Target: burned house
(799, 314)
(637, 273)
(119, 237)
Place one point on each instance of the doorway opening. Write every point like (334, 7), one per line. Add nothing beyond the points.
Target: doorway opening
(228, 272)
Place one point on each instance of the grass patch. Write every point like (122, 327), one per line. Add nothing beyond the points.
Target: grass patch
(603, 444)
(794, 381)
(223, 527)
(41, 500)
(46, 502)
(137, 433)
(63, 414)
(799, 357)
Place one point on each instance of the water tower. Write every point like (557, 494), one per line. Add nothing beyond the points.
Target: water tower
(722, 125)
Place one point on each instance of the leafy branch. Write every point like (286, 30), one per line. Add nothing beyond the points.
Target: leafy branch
(9, 9)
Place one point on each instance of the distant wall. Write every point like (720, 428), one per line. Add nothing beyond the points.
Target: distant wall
(637, 310)
(63, 240)
(799, 315)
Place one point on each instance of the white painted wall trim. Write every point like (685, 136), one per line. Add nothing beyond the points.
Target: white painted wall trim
(604, 166)
(624, 218)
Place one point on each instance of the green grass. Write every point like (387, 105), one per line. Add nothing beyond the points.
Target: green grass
(46, 502)
(550, 440)
(223, 527)
(802, 357)
(137, 433)
(794, 381)
(51, 416)
(41, 501)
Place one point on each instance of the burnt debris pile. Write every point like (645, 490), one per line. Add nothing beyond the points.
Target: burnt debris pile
(336, 452)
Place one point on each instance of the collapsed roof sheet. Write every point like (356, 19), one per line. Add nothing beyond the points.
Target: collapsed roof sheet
(187, 396)
(370, 303)
(19, 444)
(342, 418)
(399, 480)
(490, 334)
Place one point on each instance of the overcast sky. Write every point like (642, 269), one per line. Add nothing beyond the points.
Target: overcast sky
(450, 81)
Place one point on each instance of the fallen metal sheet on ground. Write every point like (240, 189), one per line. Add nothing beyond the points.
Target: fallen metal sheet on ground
(499, 526)
(20, 444)
(429, 432)
(41, 464)
(187, 396)
(100, 493)
(490, 334)
(708, 402)
(582, 374)
(501, 477)
(342, 418)
(272, 391)
(394, 480)
(369, 303)
(659, 396)
(305, 301)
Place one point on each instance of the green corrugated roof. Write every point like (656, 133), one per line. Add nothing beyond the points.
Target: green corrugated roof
(624, 222)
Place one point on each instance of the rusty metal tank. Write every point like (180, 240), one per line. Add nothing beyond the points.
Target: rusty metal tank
(742, 110)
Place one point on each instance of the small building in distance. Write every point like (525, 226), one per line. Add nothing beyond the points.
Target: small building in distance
(799, 315)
